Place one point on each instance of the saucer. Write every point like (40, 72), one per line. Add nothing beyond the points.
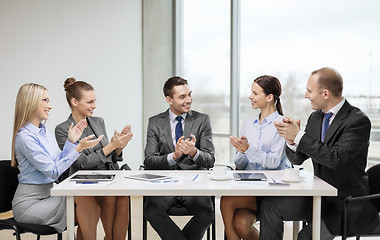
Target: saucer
(293, 180)
(220, 178)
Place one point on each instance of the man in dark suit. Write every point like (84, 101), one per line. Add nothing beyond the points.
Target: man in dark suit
(179, 139)
(336, 139)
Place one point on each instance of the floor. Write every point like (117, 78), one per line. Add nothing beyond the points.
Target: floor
(137, 226)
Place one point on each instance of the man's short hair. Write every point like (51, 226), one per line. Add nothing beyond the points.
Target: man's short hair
(172, 82)
(330, 79)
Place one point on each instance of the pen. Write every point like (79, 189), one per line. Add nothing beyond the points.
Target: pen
(278, 183)
(111, 183)
(78, 182)
(168, 181)
(195, 177)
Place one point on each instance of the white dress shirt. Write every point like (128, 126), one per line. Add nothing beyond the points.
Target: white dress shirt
(266, 147)
(300, 134)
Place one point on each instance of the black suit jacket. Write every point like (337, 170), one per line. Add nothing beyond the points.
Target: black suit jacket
(159, 142)
(340, 160)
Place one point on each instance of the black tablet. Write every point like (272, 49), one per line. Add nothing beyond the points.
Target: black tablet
(249, 176)
(147, 177)
(94, 177)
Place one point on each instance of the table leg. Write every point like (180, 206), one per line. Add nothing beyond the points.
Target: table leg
(296, 228)
(70, 217)
(316, 217)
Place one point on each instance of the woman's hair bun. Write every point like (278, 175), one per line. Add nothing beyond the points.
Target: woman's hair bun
(69, 82)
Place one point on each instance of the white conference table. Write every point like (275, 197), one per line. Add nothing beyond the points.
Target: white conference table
(201, 186)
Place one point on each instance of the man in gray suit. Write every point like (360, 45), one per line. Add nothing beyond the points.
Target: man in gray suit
(336, 138)
(179, 139)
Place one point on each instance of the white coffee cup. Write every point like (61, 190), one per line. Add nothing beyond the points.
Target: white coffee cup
(292, 173)
(218, 171)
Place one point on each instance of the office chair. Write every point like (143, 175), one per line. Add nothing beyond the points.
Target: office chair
(374, 186)
(8, 186)
(182, 211)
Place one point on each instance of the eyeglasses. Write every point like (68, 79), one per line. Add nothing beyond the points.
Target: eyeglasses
(47, 100)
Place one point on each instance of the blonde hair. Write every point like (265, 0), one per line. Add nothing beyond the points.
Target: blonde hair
(28, 99)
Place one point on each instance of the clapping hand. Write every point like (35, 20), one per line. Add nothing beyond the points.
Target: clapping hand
(288, 129)
(76, 131)
(88, 143)
(177, 151)
(120, 140)
(126, 130)
(187, 146)
(240, 144)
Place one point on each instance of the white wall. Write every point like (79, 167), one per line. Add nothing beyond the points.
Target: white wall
(157, 55)
(99, 41)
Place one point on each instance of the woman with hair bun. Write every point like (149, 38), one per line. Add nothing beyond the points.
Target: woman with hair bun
(112, 210)
(259, 148)
(36, 154)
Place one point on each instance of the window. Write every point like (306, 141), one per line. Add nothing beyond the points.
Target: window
(287, 39)
(206, 49)
(291, 43)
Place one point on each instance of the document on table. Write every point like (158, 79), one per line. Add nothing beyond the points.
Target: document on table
(165, 181)
(192, 177)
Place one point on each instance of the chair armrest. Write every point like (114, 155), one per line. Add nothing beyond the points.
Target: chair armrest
(349, 199)
(228, 165)
(361, 198)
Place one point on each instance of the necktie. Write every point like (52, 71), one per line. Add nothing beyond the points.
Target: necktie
(325, 124)
(178, 128)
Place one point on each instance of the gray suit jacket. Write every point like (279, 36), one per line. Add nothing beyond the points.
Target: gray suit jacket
(93, 158)
(340, 160)
(159, 142)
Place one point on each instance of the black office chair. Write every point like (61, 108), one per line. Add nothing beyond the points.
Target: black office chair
(8, 186)
(182, 211)
(374, 185)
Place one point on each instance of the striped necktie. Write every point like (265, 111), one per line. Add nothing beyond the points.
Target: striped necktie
(325, 124)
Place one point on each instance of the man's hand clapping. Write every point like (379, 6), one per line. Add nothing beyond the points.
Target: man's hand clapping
(185, 146)
(177, 152)
(288, 129)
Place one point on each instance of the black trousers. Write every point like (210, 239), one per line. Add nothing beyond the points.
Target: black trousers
(275, 210)
(156, 212)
